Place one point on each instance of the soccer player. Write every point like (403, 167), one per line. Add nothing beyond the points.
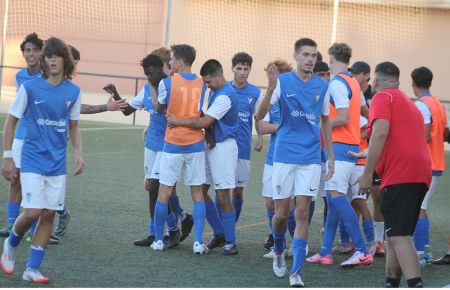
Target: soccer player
(52, 107)
(404, 169)
(345, 98)
(296, 167)
(435, 119)
(322, 70)
(222, 116)
(181, 96)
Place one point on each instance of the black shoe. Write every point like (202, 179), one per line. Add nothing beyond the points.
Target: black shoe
(166, 237)
(186, 227)
(229, 250)
(147, 242)
(54, 240)
(268, 243)
(442, 261)
(216, 241)
(174, 239)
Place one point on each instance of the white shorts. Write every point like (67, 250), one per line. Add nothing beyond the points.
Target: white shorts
(323, 174)
(295, 179)
(17, 151)
(172, 165)
(267, 185)
(242, 172)
(341, 177)
(39, 191)
(221, 165)
(149, 162)
(156, 167)
(426, 199)
(354, 185)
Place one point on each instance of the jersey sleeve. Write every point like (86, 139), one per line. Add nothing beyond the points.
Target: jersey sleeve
(162, 93)
(76, 108)
(220, 106)
(276, 93)
(326, 105)
(138, 101)
(339, 93)
(425, 111)
(20, 103)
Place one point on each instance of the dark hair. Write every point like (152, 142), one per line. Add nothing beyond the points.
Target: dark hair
(75, 53)
(55, 46)
(319, 56)
(32, 38)
(359, 67)
(304, 42)
(388, 69)
(184, 52)
(211, 67)
(341, 52)
(320, 66)
(152, 60)
(422, 77)
(242, 58)
(163, 53)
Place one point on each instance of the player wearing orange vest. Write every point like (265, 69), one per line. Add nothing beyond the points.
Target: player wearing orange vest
(435, 120)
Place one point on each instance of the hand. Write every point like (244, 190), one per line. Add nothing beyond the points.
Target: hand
(272, 76)
(79, 161)
(365, 184)
(9, 170)
(171, 120)
(330, 171)
(359, 155)
(259, 145)
(119, 105)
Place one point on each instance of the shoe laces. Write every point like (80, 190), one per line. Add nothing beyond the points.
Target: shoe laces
(228, 247)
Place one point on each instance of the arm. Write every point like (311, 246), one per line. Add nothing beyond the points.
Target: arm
(264, 106)
(75, 137)
(342, 118)
(266, 128)
(124, 107)
(326, 131)
(156, 98)
(428, 132)
(197, 123)
(9, 170)
(365, 111)
(111, 105)
(259, 144)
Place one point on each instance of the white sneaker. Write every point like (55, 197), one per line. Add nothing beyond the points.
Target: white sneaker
(279, 265)
(8, 258)
(200, 249)
(35, 276)
(358, 259)
(269, 255)
(296, 281)
(157, 245)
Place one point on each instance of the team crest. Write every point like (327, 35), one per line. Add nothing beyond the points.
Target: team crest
(250, 100)
(67, 104)
(317, 97)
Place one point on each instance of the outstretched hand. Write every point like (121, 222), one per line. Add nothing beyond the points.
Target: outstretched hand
(113, 105)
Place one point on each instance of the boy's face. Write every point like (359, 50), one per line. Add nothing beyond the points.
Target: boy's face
(55, 64)
(31, 53)
(153, 74)
(241, 72)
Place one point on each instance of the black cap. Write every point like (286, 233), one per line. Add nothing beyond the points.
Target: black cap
(359, 67)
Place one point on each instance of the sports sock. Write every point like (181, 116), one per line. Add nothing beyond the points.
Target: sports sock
(343, 235)
(172, 222)
(12, 209)
(62, 212)
(14, 239)
(325, 211)
(237, 204)
(229, 225)
(330, 228)
(160, 219)
(213, 218)
(312, 206)
(219, 210)
(348, 216)
(33, 227)
(36, 256)
(175, 203)
(299, 252)
(368, 230)
(199, 214)
(270, 217)
(379, 231)
(420, 232)
(279, 242)
(291, 222)
(392, 282)
(151, 227)
(415, 282)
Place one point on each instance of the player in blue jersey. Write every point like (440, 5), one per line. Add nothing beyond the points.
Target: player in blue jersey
(297, 155)
(52, 108)
(222, 117)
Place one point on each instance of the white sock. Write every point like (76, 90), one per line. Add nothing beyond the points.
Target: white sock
(379, 231)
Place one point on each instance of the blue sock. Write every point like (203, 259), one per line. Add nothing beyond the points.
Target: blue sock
(279, 242)
(427, 235)
(218, 208)
(368, 230)
(237, 203)
(312, 206)
(331, 225)
(151, 227)
(213, 218)
(270, 217)
(348, 216)
(299, 251)
(172, 222)
(14, 239)
(343, 235)
(291, 222)
(63, 211)
(160, 219)
(199, 214)
(12, 209)
(175, 203)
(229, 225)
(33, 227)
(36, 255)
(420, 234)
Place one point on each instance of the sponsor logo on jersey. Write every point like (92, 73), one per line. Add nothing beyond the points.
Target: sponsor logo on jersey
(47, 122)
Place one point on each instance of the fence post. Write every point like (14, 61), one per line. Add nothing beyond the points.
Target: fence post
(135, 93)
(5, 24)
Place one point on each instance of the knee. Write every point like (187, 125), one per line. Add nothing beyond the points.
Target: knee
(47, 215)
(238, 192)
(301, 215)
(281, 217)
(31, 214)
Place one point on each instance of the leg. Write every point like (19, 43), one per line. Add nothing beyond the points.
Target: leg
(199, 214)
(228, 214)
(212, 217)
(301, 232)
(238, 200)
(12, 206)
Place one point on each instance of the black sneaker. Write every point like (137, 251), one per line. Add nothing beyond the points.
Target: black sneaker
(216, 241)
(54, 240)
(147, 242)
(445, 260)
(229, 250)
(174, 239)
(186, 227)
(268, 243)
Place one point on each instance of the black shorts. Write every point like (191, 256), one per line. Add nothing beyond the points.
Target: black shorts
(400, 206)
(376, 180)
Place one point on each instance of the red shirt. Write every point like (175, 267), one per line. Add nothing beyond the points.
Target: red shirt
(405, 157)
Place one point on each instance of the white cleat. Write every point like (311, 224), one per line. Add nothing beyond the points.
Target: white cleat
(157, 246)
(35, 276)
(295, 280)
(269, 255)
(8, 258)
(279, 265)
(358, 259)
(200, 249)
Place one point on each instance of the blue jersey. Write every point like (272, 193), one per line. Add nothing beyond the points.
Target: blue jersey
(247, 96)
(22, 76)
(228, 125)
(274, 116)
(301, 104)
(48, 109)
